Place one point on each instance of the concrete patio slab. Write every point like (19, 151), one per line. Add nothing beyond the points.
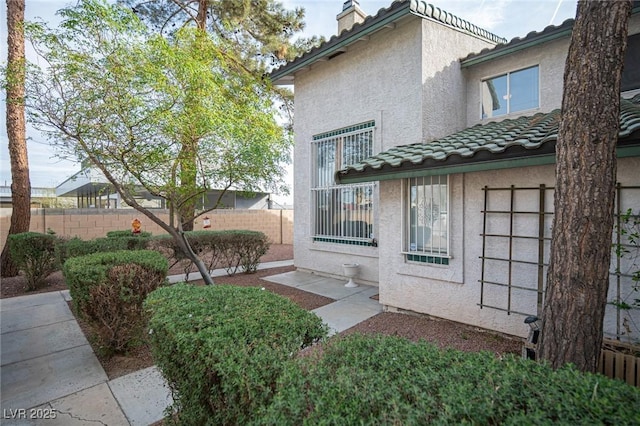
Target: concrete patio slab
(30, 383)
(22, 346)
(143, 395)
(353, 304)
(95, 405)
(49, 308)
(348, 312)
(318, 284)
(31, 300)
(295, 278)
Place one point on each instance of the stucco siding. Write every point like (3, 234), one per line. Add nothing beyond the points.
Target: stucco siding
(403, 79)
(453, 291)
(374, 80)
(443, 83)
(550, 57)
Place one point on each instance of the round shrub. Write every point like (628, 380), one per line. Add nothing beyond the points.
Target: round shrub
(222, 348)
(35, 256)
(108, 290)
(83, 272)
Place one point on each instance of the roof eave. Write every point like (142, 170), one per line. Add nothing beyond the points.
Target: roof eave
(497, 52)
(285, 74)
(630, 149)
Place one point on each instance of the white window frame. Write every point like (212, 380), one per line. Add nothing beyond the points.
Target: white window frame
(425, 255)
(508, 75)
(344, 222)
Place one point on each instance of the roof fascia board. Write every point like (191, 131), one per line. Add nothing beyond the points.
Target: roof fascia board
(497, 53)
(537, 40)
(357, 36)
(446, 170)
(539, 160)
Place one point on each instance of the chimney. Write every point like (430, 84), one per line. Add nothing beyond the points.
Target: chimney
(351, 14)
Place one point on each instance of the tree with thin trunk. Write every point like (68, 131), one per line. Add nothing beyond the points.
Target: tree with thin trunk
(578, 275)
(149, 111)
(15, 88)
(257, 34)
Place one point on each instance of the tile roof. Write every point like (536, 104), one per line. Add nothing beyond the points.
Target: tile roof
(496, 141)
(534, 38)
(371, 24)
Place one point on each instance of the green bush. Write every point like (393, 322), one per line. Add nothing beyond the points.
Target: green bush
(222, 348)
(389, 380)
(128, 234)
(108, 290)
(231, 250)
(35, 256)
(84, 272)
(115, 306)
(247, 249)
(76, 247)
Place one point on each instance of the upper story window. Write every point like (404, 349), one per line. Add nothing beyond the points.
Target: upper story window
(342, 213)
(511, 92)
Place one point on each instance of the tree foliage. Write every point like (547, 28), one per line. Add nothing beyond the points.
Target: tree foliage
(260, 32)
(130, 101)
(253, 36)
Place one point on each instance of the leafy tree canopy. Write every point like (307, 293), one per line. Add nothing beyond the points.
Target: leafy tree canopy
(130, 101)
(260, 31)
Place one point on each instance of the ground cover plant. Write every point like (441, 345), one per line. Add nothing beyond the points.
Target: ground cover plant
(390, 380)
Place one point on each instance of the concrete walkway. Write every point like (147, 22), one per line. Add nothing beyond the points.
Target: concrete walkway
(48, 369)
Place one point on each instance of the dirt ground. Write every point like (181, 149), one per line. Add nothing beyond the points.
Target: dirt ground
(415, 327)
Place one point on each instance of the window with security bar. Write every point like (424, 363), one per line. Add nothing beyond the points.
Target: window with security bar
(342, 213)
(427, 232)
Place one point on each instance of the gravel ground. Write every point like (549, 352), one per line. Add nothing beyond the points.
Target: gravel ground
(446, 334)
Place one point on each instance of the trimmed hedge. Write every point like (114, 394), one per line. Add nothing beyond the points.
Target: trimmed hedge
(108, 290)
(76, 247)
(128, 234)
(35, 255)
(222, 348)
(389, 380)
(231, 250)
(82, 273)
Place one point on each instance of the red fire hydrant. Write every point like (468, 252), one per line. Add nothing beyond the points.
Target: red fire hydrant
(136, 226)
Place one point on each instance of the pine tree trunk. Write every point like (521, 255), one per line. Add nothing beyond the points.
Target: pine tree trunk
(578, 275)
(20, 184)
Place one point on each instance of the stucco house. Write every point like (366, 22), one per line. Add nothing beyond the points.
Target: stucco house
(424, 152)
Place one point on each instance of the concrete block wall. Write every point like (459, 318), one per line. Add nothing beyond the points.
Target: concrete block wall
(93, 223)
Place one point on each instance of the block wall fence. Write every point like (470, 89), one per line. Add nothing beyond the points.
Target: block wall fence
(93, 223)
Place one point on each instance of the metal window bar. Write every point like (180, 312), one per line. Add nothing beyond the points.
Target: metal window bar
(342, 212)
(428, 230)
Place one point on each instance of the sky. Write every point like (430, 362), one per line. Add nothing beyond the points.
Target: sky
(506, 18)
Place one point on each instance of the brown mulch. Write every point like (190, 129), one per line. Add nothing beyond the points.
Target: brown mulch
(415, 327)
(443, 333)
(14, 286)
